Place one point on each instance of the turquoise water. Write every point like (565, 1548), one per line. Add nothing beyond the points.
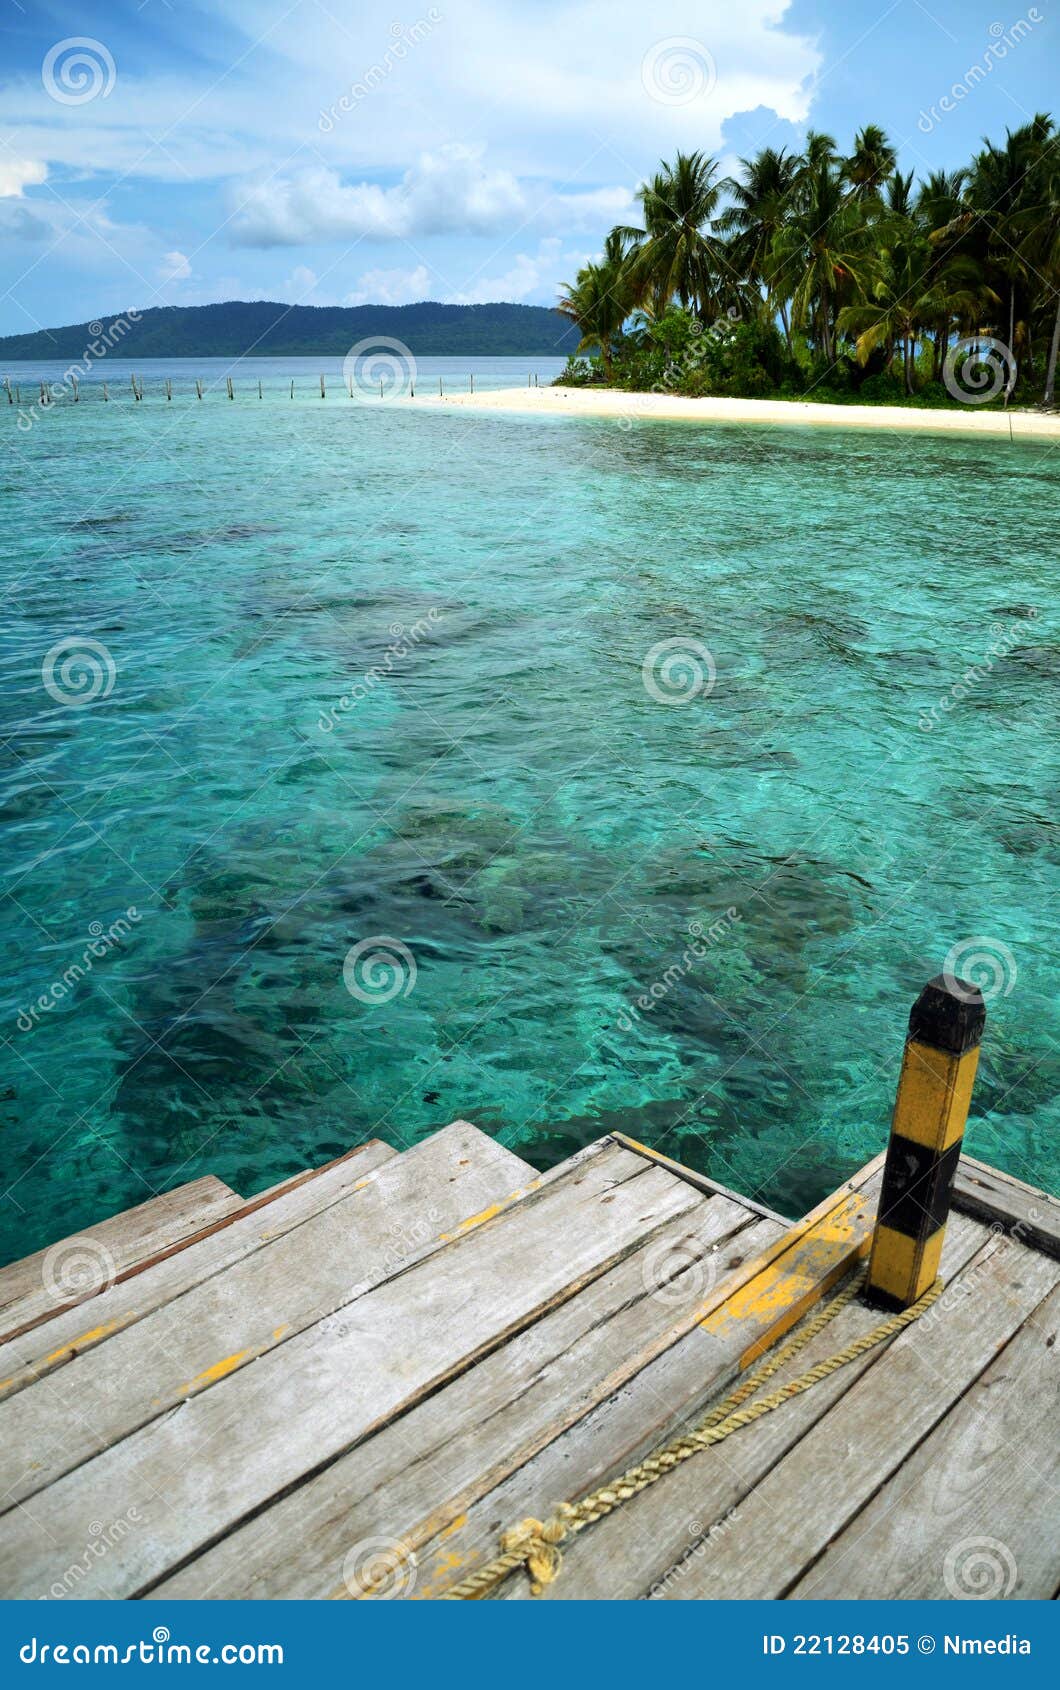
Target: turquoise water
(528, 825)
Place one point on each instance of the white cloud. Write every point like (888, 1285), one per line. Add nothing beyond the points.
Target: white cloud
(529, 274)
(392, 287)
(19, 173)
(301, 283)
(175, 267)
(447, 191)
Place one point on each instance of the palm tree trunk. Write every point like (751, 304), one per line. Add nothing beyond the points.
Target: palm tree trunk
(1010, 384)
(1054, 349)
(787, 328)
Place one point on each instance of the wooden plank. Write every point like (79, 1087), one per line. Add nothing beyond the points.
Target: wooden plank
(973, 1510)
(632, 1553)
(1032, 1217)
(43, 1349)
(806, 1499)
(79, 1267)
(702, 1182)
(634, 1409)
(193, 1474)
(418, 1475)
(395, 1216)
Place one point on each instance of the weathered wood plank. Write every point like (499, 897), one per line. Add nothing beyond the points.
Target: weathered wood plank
(397, 1215)
(301, 1405)
(702, 1182)
(647, 1542)
(166, 1274)
(418, 1475)
(806, 1499)
(973, 1511)
(1033, 1217)
(686, 1367)
(78, 1268)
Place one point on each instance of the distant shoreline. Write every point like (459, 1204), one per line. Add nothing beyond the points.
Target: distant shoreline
(635, 407)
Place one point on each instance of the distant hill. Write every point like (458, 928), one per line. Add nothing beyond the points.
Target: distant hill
(267, 329)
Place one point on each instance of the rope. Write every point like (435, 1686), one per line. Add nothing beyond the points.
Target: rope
(535, 1544)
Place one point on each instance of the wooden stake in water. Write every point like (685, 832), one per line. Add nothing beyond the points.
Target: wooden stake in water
(259, 387)
(106, 395)
(169, 391)
(440, 387)
(231, 394)
(198, 388)
(7, 390)
(322, 392)
(472, 381)
(292, 390)
(77, 395)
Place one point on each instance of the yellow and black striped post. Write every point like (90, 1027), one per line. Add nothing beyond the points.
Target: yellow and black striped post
(934, 1091)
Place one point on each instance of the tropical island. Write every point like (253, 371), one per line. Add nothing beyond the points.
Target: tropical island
(833, 277)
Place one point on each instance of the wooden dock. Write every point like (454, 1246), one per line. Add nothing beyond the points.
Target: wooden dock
(354, 1383)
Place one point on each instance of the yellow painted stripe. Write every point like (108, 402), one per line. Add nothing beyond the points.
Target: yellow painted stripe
(934, 1092)
(902, 1267)
(770, 1303)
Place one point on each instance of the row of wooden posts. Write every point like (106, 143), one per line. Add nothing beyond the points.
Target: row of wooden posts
(14, 394)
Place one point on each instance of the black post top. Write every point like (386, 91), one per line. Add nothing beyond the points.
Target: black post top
(949, 1014)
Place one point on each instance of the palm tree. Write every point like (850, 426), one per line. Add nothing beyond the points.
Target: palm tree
(599, 302)
(910, 293)
(752, 222)
(871, 162)
(677, 254)
(821, 245)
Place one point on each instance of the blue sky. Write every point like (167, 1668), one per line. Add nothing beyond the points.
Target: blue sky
(343, 151)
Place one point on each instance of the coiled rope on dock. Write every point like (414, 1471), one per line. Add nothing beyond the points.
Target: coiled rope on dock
(535, 1544)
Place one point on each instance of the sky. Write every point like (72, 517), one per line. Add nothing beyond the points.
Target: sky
(344, 152)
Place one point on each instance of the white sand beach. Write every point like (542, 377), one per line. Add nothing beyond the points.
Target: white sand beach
(635, 407)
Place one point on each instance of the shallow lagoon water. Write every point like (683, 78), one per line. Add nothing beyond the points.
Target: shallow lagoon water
(507, 799)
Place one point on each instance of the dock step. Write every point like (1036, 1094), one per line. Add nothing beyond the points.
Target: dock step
(75, 1268)
(282, 1284)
